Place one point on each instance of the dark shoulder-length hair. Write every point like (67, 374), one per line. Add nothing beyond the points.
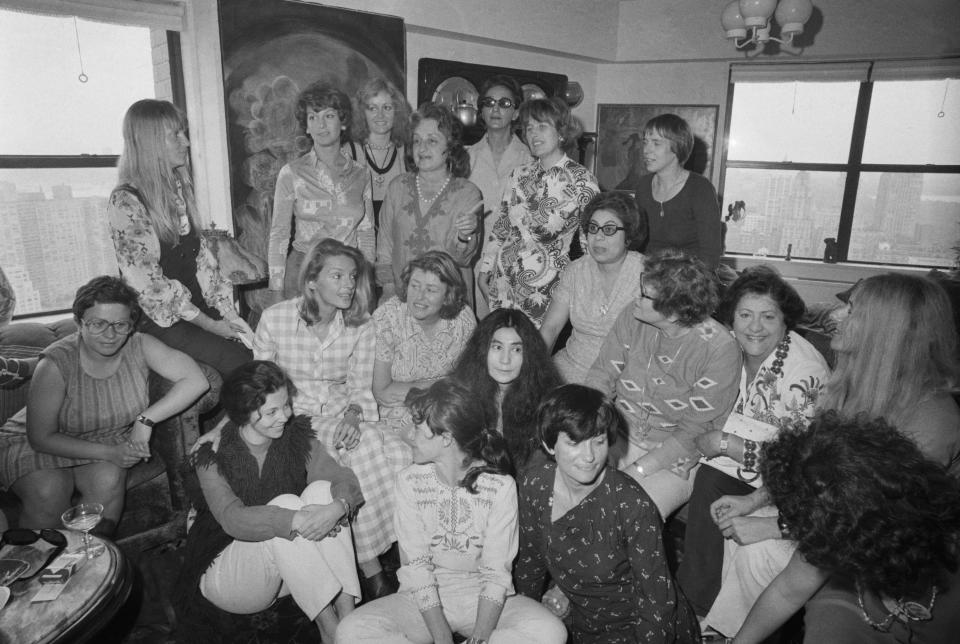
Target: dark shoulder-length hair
(442, 265)
(686, 287)
(554, 111)
(245, 389)
(447, 407)
(538, 375)
(762, 280)
(862, 500)
(580, 412)
(400, 134)
(319, 96)
(313, 263)
(624, 206)
(106, 289)
(458, 159)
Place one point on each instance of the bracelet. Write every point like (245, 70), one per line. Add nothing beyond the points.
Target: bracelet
(346, 506)
(749, 461)
(724, 443)
(784, 528)
(143, 420)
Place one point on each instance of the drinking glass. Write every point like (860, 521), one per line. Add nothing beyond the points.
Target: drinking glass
(85, 517)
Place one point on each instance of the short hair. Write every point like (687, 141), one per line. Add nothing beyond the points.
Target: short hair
(316, 258)
(320, 96)
(762, 280)
(400, 134)
(580, 412)
(245, 389)
(447, 407)
(458, 159)
(106, 289)
(635, 229)
(442, 265)
(685, 286)
(508, 83)
(675, 130)
(861, 499)
(555, 111)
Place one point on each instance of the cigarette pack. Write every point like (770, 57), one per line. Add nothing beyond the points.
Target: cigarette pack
(60, 571)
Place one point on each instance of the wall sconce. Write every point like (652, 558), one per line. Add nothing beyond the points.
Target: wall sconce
(750, 20)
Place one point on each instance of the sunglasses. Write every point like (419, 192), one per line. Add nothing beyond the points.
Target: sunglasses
(504, 103)
(609, 230)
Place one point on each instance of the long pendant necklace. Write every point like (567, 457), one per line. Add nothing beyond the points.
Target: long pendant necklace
(682, 177)
(377, 168)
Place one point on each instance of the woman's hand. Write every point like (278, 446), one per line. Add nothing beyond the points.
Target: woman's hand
(128, 453)
(729, 506)
(314, 522)
(140, 433)
(483, 283)
(347, 433)
(747, 530)
(556, 602)
(466, 222)
(212, 437)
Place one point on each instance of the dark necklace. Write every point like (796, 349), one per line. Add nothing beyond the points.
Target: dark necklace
(783, 348)
(380, 170)
(905, 611)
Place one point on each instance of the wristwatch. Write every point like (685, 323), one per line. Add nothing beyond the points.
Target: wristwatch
(143, 420)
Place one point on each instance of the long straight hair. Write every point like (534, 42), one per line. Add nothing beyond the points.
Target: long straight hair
(899, 346)
(144, 166)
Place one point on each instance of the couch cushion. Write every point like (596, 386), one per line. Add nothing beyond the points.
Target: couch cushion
(27, 340)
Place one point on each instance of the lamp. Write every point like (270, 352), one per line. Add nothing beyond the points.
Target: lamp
(750, 20)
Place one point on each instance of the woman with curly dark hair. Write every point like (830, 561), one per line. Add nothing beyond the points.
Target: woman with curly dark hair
(874, 519)
(507, 366)
(434, 207)
(673, 371)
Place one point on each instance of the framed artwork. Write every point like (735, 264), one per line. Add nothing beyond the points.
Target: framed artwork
(619, 162)
(272, 50)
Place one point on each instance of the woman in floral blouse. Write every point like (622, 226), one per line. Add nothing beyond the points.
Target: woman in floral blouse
(153, 224)
(529, 246)
(594, 530)
(779, 389)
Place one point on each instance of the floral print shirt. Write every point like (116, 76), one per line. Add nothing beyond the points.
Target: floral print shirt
(165, 301)
(529, 245)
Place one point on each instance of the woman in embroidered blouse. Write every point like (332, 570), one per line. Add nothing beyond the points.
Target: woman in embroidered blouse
(188, 302)
(421, 331)
(325, 340)
(456, 521)
(495, 156)
(434, 207)
(673, 371)
(780, 387)
(507, 366)
(595, 288)
(681, 206)
(274, 516)
(380, 136)
(327, 193)
(529, 245)
(594, 530)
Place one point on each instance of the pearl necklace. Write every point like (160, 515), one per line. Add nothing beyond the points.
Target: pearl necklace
(436, 194)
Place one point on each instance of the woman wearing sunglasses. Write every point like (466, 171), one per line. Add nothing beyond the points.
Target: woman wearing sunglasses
(597, 287)
(499, 152)
(88, 417)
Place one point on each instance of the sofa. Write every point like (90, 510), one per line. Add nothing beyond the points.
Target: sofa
(156, 503)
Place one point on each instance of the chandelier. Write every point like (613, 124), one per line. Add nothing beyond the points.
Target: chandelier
(747, 22)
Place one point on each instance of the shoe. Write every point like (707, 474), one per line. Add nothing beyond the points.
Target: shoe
(380, 585)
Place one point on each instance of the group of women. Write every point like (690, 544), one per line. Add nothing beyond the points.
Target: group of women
(511, 479)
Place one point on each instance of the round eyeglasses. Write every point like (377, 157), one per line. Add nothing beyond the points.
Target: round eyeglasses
(96, 326)
(609, 230)
(504, 103)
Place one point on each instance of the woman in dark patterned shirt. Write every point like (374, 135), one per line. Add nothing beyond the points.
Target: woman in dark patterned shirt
(595, 532)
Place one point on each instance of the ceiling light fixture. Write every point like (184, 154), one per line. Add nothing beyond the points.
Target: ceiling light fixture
(747, 22)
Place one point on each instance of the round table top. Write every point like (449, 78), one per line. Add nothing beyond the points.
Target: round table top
(91, 597)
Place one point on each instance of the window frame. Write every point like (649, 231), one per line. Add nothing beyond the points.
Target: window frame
(854, 168)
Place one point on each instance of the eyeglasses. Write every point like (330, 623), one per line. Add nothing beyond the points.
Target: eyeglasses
(96, 326)
(609, 230)
(643, 293)
(504, 103)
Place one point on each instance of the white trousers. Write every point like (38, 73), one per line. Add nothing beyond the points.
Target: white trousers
(248, 576)
(396, 619)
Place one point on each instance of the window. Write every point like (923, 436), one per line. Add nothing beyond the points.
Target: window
(59, 146)
(865, 154)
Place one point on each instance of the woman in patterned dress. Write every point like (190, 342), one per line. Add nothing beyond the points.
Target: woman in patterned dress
(594, 531)
(595, 288)
(434, 207)
(456, 521)
(88, 417)
(326, 193)
(780, 387)
(421, 331)
(529, 246)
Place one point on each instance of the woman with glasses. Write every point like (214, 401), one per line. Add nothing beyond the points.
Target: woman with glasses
(597, 287)
(499, 152)
(88, 416)
(528, 247)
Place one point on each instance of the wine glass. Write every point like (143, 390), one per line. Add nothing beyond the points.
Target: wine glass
(85, 517)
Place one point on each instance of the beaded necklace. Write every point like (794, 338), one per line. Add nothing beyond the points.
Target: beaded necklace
(749, 446)
(904, 611)
(436, 194)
